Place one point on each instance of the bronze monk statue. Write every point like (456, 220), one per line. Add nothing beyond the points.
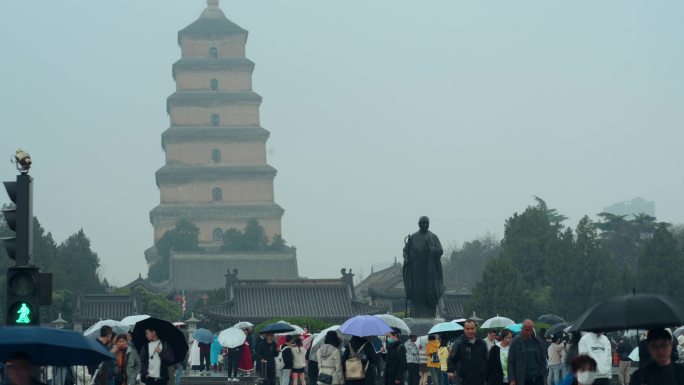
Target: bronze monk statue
(423, 280)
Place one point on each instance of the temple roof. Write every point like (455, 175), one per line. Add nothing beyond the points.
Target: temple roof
(91, 308)
(387, 281)
(212, 24)
(257, 301)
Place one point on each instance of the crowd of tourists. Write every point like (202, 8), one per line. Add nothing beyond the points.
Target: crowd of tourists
(501, 357)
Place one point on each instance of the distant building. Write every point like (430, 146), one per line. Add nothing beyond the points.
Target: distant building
(91, 308)
(330, 300)
(636, 206)
(216, 174)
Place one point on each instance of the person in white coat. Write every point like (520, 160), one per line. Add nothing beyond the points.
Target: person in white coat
(597, 346)
(330, 360)
(194, 356)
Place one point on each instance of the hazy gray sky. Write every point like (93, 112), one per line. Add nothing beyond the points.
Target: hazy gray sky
(379, 112)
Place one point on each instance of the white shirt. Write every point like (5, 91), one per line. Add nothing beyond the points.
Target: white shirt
(503, 356)
(154, 366)
(598, 348)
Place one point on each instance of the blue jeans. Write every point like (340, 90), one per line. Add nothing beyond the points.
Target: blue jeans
(554, 377)
(443, 378)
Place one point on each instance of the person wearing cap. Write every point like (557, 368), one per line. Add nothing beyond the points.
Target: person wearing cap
(662, 370)
(395, 361)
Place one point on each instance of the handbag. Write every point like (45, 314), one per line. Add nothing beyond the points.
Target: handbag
(354, 369)
(325, 378)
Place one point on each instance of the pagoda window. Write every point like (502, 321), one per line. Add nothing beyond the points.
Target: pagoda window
(213, 53)
(214, 84)
(216, 195)
(216, 156)
(215, 120)
(217, 236)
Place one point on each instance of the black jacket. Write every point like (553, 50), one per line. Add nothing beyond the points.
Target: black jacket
(288, 357)
(367, 356)
(652, 374)
(623, 350)
(166, 357)
(395, 363)
(265, 351)
(469, 360)
(494, 369)
(517, 359)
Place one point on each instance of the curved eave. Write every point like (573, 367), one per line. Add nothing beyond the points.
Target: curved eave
(210, 99)
(211, 29)
(183, 134)
(177, 174)
(213, 65)
(218, 212)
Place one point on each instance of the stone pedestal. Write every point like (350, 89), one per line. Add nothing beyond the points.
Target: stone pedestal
(421, 326)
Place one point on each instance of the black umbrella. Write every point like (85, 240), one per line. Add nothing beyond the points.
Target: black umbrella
(550, 319)
(639, 311)
(278, 327)
(49, 346)
(166, 332)
(556, 329)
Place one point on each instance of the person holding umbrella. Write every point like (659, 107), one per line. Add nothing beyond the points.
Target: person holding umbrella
(662, 370)
(156, 356)
(20, 370)
(330, 360)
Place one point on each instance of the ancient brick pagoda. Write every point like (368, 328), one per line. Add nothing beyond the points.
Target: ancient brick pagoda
(216, 174)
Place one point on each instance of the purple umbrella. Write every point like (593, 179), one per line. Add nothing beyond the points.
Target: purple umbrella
(364, 326)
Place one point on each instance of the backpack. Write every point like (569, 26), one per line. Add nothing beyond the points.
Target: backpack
(279, 362)
(353, 368)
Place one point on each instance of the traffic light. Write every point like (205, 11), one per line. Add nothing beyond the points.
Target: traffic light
(23, 296)
(20, 220)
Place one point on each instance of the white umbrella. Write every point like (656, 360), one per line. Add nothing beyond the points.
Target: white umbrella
(320, 338)
(497, 323)
(297, 330)
(459, 321)
(131, 320)
(395, 322)
(634, 355)
(243, 325)
(117, 328)
(232, 338)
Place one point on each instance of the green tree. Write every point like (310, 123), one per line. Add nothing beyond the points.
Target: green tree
(253, 238)
(79, 265)
(464, 265)
(62, 303)
(183, 237)
(502, 290)
(528, 239)
(661, 266)
(625, 239)
(584, 272)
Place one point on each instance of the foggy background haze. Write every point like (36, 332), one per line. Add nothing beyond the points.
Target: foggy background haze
(379, 112)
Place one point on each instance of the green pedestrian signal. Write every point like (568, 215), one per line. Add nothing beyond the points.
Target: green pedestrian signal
(21, 313)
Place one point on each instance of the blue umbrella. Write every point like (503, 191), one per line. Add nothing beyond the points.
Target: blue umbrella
(278, 327)
(516, 328)
(445, 327)
(364, 326)
(204, 336)
(49, 346)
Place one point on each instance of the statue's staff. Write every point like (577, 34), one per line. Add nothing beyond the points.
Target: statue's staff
(407, 260)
